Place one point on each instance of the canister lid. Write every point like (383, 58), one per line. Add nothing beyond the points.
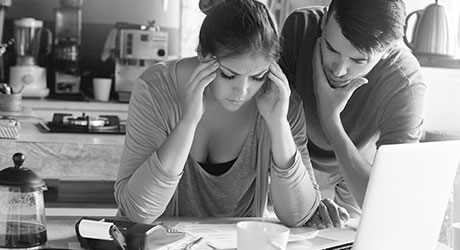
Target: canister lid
(19, 176)
(28, 22)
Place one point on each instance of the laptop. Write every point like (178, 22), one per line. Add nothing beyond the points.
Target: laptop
(405, 201)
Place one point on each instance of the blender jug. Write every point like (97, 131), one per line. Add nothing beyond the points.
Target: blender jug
(27, 76)
(22, 209)
(27, 35)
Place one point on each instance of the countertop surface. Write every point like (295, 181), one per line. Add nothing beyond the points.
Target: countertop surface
(61, 230)
(65, 156)
(32, 132)
(75, 105)
(36, 111)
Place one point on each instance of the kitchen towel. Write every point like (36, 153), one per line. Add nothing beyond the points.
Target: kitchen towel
(109, 45)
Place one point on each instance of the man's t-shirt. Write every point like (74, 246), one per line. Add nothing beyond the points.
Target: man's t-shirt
(386, 110)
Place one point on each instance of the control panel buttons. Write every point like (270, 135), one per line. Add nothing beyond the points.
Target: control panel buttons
(28, 79)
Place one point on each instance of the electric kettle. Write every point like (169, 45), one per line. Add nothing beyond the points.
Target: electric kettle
(430, 35)
(22, 208)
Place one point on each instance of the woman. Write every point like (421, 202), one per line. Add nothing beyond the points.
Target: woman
(208, 136)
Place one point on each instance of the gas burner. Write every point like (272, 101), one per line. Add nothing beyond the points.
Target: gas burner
(67, 123)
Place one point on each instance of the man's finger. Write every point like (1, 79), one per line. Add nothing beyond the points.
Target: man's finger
(316, 220)
(356, 83)
(334, 212)
(344, 215)
(324, 214)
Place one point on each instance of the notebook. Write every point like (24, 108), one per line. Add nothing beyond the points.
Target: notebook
(405, 201)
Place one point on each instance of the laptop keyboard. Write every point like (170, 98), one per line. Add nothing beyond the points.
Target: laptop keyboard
(346, 246)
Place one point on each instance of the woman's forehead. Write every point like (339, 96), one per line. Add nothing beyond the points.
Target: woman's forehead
(246, 64)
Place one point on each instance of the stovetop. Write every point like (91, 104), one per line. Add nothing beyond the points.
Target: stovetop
(67, 123)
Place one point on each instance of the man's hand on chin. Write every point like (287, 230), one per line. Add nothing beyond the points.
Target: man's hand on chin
(331, 101)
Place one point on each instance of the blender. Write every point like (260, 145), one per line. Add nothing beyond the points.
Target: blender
(27, 76)
(22, 207)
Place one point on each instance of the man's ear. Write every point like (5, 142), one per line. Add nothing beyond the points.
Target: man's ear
(323, 21)
(388, 50)
(386, 54)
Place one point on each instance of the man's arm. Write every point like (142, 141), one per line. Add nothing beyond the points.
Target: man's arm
(354, 168)
(400, 122)
(331, 102)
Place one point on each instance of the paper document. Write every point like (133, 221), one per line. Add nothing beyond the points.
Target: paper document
(223, 236)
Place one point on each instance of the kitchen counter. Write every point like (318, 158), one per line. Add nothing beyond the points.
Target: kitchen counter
(77, 168)
(61, 229)
(46, 108)
(31, 131)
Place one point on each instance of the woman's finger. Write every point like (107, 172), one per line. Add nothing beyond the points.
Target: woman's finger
(205, 81)
(202, 70)
(278, 78)
(280, 74)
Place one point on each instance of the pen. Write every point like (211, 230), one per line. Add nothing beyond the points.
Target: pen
(191, 244)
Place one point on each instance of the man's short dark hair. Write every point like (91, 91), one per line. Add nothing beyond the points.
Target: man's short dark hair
(370, 25)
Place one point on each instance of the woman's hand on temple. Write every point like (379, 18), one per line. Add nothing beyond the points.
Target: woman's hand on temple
(273, 98)
(201, 77)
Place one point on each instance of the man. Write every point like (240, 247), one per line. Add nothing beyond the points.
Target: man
(361, 88)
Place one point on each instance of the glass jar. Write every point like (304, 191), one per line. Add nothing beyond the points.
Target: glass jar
(22, 207)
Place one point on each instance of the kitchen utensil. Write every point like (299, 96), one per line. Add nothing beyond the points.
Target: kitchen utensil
(5, 89)
(22, 208)
(4, 46)
(430, 34)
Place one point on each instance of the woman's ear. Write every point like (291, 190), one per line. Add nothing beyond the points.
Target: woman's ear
(203, 58)
(200, 57)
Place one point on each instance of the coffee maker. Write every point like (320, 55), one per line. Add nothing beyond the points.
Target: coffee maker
(27, 77)
(67, 44)
(138, 47)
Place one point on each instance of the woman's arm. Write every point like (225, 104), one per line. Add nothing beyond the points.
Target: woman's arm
(294, 191)
(156, 149)
(143, 187)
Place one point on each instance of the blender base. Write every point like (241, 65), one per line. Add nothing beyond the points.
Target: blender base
(30, 81)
